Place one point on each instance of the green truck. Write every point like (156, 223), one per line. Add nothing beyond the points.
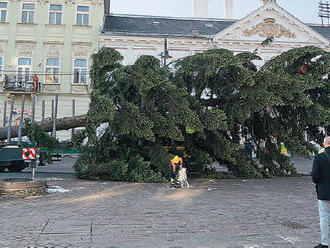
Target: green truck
(16, 157)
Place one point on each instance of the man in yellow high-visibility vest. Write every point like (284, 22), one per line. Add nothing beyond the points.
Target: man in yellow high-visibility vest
(176, 164)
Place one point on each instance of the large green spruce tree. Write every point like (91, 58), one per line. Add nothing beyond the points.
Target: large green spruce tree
(139, 114)
(290, 105)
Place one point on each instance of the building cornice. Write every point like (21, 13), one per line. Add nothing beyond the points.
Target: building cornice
(26, 41)
(82, 43)
(53, 42)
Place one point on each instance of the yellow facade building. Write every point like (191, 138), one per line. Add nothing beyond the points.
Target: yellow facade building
(52, 40)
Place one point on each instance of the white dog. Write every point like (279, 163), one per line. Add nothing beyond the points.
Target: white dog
(182, 178)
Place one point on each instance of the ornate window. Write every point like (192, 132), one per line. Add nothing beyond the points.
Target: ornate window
(3, 11)
(82, 15)
(80, 71)
(52, 69)
(28, 13)
(55, 14)
(24, 69)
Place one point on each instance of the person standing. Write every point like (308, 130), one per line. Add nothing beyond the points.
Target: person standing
(321, 178)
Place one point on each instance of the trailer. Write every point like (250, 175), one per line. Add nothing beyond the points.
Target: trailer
(61, 150)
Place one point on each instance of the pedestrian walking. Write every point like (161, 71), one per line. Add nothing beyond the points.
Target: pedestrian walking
(321, 178)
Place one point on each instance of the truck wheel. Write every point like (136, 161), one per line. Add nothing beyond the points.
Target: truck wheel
(41, 162)
(16, 166)
(2, 167)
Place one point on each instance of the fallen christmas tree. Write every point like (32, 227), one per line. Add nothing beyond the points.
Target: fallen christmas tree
(138, 113)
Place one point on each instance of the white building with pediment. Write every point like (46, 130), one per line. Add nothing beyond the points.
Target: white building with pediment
(134, 36)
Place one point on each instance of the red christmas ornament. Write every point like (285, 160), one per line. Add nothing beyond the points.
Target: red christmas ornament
(304, 69)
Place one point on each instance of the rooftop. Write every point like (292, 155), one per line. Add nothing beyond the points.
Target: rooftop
(163, 26)
(160, 26)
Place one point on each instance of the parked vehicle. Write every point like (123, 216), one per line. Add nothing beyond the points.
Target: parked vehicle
(16, 157)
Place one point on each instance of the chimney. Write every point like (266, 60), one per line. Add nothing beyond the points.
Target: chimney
(201, 8)
(107, 6)
(229, 9)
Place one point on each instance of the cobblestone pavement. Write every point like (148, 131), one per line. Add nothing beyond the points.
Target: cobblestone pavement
(228, 213)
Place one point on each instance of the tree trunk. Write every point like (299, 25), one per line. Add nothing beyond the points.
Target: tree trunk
(65, 123)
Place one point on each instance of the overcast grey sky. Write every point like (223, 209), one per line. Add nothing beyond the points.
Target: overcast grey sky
(305, 10)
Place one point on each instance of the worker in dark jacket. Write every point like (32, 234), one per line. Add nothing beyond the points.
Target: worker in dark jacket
(321, 178)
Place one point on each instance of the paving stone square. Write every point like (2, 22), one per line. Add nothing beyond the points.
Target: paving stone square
(272, 213)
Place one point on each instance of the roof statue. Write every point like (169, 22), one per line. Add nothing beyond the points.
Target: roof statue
(268, 1)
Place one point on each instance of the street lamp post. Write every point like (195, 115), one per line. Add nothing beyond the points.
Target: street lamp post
(165, 54)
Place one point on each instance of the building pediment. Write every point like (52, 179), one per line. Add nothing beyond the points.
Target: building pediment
(269, 28)
(272, 21)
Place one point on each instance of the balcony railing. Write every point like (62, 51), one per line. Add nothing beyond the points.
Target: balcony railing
(20, 84)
